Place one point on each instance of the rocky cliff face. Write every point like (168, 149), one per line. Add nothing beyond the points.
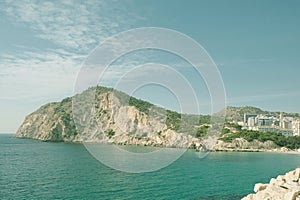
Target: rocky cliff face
(285, 187)
(51, 122)
(113, 122)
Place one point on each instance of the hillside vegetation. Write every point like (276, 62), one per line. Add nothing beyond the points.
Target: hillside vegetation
(292, 142)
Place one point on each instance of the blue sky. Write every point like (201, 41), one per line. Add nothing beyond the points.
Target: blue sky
(255, 45)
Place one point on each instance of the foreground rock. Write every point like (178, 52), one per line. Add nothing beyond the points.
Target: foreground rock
(284, 187)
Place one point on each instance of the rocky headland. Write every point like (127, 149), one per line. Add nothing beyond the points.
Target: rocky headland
(117, 118)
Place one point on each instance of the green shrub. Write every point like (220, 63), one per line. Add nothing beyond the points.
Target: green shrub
(205, 119)
(201, 131)
(225, 131)
(173, 120)
(110, 133)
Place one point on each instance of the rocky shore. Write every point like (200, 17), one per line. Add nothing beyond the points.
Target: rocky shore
(242, 145)
(284, 187)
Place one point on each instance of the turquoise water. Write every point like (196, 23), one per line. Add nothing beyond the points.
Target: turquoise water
(36, 170)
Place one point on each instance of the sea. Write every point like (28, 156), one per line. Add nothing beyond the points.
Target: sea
(31, 169)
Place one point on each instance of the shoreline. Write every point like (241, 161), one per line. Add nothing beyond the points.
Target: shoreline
(281, 150)
(275, 151)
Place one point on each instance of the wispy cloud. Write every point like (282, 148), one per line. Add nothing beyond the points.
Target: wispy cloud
(73, 27)
(33, 75)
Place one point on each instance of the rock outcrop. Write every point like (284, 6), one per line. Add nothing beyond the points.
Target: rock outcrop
(284, 187)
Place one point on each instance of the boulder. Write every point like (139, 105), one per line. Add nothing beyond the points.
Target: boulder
(259, 187)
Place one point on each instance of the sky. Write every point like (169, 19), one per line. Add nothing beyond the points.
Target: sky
(43, 45)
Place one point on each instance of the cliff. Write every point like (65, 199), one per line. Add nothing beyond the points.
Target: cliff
(285, 187)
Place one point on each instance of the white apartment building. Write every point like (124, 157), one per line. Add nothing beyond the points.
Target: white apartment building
(296, 127)
(287, 126)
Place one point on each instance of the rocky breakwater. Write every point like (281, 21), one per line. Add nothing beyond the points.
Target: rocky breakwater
(284, 187)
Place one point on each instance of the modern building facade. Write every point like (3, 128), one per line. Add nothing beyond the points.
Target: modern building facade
(287, 126)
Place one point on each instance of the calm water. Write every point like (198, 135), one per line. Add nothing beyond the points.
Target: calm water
(37, 170)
